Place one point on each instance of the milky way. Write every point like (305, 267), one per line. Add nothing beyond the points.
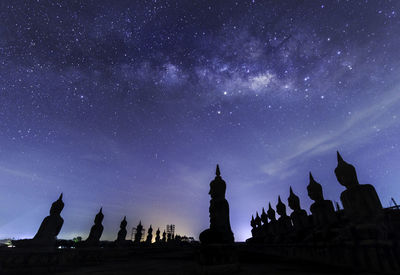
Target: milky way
(130, 107)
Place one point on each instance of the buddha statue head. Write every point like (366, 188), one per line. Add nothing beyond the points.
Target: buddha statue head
(345, 173)
(217, 186)
(57, 206)
(99, 217)
(293, 200)
(271, 213)
(314, 190)
(281, 207)
(264, 216)
(123, 223)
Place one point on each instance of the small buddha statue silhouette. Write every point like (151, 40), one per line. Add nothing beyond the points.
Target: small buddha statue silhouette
(51, 225)
(220, 228)
(164, 237)
(284, 222)
(253, 226)
(299, 216)
(323, 213)
(257, 222)
(122, 231)
(264, 219)
(158, 235)
(97, 229)
(138, 235)
(360, 201)
(273, 229)
(149, 235)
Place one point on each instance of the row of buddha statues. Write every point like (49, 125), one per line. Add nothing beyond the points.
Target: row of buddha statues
(362, 217)
(166, 237)
(51, 226)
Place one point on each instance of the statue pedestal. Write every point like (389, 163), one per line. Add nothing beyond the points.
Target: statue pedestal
(217, 259)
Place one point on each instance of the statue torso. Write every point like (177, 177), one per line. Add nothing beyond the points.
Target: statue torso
(361, 203)
(49, 228)
(323, 213)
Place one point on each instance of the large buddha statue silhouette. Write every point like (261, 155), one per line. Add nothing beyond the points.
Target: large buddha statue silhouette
(360, 201)
(49, 228)
(96, 230)
(51, 225)
(220, 228)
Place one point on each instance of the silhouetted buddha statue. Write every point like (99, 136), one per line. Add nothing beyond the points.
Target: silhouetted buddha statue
(264, 217)
(96, 230)
(253, 226)
(51, 225)
(299, 216)
(360, 201)
(220, 228)
(149, 235)
(272, 225)
(122, 232)
(158, 235)
(322, 210)
(138, 235)
(284, 222)
(257, 220)
(257, 230)
(164, 237)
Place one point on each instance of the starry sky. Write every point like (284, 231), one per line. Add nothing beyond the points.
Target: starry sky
(129, 105)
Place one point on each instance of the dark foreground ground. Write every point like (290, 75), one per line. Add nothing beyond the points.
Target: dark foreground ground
(176, 266)
(178, 260)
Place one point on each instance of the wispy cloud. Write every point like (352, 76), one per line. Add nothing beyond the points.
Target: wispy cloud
(359, 127)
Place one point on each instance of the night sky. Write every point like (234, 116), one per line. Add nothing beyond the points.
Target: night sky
(129, 105)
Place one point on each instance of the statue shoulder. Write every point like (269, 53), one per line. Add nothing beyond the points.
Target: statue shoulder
(368, 187)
